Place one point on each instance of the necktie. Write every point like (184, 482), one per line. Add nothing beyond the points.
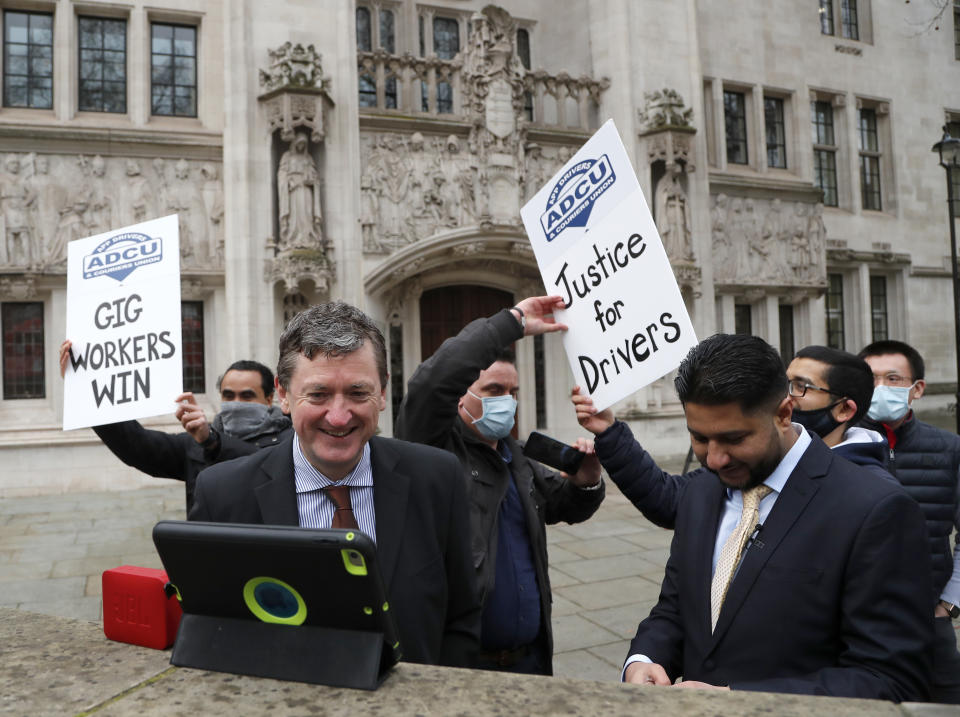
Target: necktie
(733, 549)
(343, 515)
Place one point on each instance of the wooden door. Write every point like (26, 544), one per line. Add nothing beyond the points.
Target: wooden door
(446, 310)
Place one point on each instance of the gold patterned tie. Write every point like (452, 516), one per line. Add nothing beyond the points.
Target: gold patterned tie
(343, 515)
(733, 549)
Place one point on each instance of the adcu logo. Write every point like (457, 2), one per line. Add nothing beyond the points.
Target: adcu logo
(574, 195)
(121, 255)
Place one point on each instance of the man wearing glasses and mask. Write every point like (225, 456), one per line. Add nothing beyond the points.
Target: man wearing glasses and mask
(831, 390)
(926, 461)
(463, 399)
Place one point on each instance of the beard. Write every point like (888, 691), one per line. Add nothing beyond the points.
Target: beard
(759, 471)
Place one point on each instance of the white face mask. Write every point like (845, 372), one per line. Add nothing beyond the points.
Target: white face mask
(890, 403)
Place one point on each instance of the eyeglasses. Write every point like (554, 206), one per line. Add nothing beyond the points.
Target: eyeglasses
(798, 388)
(892, 379)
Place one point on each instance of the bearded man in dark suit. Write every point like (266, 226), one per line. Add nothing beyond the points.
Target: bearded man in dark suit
(791, 569)
(331, 379)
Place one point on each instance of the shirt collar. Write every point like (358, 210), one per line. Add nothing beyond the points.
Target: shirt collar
(308, 478)
(778, 478)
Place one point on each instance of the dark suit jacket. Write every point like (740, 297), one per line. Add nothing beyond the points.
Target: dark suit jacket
(420, 506)
(828, 601)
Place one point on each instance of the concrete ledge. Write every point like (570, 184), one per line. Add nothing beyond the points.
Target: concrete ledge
(54, 665)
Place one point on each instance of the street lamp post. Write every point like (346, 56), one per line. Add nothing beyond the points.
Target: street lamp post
(949, 150)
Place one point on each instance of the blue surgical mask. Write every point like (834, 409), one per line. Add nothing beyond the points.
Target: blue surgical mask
(889, 403)
(496, 422)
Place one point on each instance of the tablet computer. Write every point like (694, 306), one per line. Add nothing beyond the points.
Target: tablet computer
(279, 577)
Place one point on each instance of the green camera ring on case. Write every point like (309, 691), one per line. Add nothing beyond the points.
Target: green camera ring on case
(250, 597)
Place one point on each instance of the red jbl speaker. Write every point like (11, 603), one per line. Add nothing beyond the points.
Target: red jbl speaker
(136, 608)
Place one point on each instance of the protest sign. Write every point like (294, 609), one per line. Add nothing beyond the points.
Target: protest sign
(123, 317)
(597, 246)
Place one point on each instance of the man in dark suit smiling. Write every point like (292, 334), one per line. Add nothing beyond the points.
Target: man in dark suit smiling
(791, 569)
(334, 472)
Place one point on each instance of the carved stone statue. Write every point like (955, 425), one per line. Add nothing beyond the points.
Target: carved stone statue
(99, 208)
(298, 187)
(44, 208)
(181, 198)
(673, 215)
(212, 195)
(369, 214)
(724, 258)
(137, 194)
(775, 237)
(161, 187)
(16, 200)
(70, 225)
(817, 232)
(800, 242)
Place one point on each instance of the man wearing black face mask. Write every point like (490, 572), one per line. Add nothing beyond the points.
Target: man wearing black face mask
(831, 390)
(247, 422)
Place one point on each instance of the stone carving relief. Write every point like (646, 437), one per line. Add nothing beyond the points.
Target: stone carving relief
(767, 242)
(665, 109)
(493, 81)
(295, 91)
(667, 128)
(293, 66)
(413, 187)
(47, 201)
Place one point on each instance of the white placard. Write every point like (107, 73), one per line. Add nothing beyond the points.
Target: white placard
(597, 246)
(123, 317)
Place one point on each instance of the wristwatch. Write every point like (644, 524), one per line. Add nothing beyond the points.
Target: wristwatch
(953, 610)
(523, 319)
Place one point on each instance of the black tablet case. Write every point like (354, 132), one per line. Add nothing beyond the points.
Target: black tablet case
(348, 637)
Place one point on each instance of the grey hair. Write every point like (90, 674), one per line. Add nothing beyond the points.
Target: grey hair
(333, 329)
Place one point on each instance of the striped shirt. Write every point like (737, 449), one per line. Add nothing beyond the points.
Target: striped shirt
(315, 507)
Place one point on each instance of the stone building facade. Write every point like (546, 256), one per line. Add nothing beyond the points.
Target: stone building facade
(379, 151)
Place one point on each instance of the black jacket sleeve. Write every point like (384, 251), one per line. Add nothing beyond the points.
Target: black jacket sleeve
(654, 492)
(159, 454)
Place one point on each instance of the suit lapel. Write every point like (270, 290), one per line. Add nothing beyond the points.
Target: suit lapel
(391, 490)
(799, 489)
(277, 497)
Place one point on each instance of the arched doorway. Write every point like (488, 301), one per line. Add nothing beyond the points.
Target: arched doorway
(447, 309)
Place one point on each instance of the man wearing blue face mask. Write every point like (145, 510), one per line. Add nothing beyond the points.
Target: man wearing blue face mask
(247, 422)
(926, 461)
(463, 399)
